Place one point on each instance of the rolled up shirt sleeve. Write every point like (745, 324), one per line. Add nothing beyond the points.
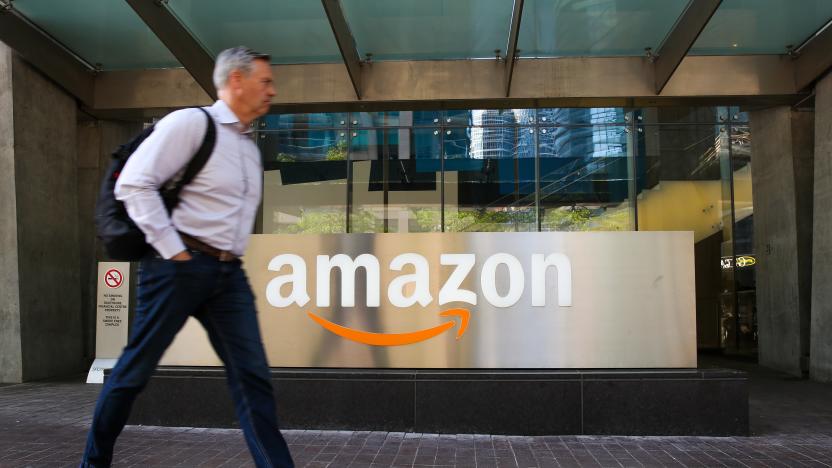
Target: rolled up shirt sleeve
(162, 155)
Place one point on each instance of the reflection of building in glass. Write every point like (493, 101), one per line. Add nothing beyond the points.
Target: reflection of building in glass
(303, 121)
(581, 116)
(525, 135)
(583, 158)
(497, 174)
(303, 145)
(495, 134)
(605, 115)
(596, 141)
(492, 137)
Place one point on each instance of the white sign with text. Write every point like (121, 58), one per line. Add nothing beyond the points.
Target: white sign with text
(111, 318)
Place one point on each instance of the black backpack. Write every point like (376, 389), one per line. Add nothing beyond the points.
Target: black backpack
(123, 240)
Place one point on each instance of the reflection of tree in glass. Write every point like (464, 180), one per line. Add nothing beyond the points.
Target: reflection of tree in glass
(614, 219)
(283, 157)
(475, 220)
(567, 218)
(574, 218)
(318, 222)
(428, 219)
(337, 152)
(365, 221)
(483, 220)
(333, 221)
(581, 218)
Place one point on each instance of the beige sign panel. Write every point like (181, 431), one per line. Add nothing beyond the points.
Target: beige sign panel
(113, 303)
(469, 300)
(111, 317)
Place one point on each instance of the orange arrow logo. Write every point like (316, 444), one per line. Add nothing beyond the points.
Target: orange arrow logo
(397, 339)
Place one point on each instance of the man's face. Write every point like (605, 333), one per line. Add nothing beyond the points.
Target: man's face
(255, 90)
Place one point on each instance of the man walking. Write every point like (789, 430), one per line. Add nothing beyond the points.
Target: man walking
(195, 269)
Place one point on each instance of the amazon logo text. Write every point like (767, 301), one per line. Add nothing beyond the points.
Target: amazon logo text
(409, 289)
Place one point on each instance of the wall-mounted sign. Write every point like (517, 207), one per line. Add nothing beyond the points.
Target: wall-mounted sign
(111, 317)
(469, 300)
(743, 261)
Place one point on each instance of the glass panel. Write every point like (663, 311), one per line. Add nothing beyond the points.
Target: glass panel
(368, 119)
(106, 34)
(682, 186)
(291, 32)
(490, 117)
(679, 183)
(761, 26)
(693, 115)
(397, 119)
(729, 321)
(301, 121)
(367, 201)
(305, 181)
(584, 178)
(741, 167)
(458, 117)
(581, 116)
(556, 28)
(428, 29)
(745, 260)
(684, 115)
(489, 179)
(737, 115)
(395, 181)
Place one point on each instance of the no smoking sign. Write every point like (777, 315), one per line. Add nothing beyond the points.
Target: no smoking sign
(112, 308)
(113, 278)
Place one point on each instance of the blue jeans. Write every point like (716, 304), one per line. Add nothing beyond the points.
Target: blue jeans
(219, 296)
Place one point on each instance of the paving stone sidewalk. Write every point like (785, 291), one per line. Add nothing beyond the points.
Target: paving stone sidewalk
(44, 425)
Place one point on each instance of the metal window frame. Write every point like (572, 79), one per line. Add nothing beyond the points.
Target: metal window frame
(681, 38)
(511, 49)
(178, 40)
(346, 42)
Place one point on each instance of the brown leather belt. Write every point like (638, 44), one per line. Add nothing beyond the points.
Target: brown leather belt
(199, 246)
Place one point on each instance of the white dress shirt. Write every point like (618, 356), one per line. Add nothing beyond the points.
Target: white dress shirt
(218, 206)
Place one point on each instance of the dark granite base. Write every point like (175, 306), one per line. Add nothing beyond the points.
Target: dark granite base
(524, 402)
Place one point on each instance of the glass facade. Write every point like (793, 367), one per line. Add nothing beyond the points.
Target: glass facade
(106, 35)
(428, 29)
(290, 32)
(566, 28)
(305, 180)
(109, 35)
(761, 26)
(515, 170)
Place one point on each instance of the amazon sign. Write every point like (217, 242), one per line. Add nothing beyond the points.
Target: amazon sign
(469, 300)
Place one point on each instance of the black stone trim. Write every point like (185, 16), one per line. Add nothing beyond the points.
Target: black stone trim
(522, 402)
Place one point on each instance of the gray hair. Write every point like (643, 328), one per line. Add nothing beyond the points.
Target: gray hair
(236, 58)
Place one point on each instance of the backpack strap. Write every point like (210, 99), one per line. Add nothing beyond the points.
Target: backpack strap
(195, 164)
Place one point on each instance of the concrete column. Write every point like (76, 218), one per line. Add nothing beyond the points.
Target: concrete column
(10, 352)
(89, 145)
(782, 187)
(96, 141)
(820, 365)
(39, 272)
